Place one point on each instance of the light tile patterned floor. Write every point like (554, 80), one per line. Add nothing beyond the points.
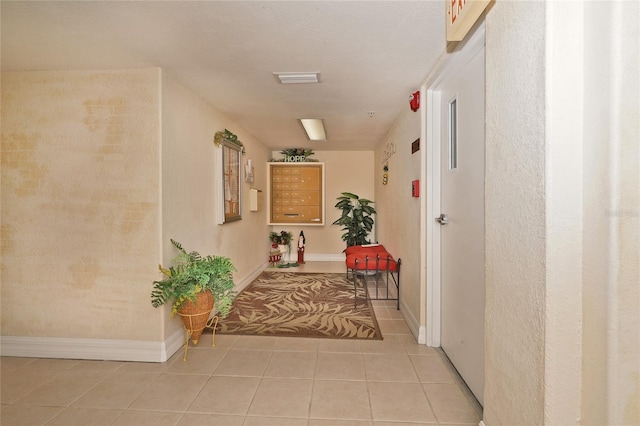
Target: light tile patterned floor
(248, 381)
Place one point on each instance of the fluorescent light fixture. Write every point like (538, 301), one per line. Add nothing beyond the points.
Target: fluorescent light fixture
(298, 77)
(314, 128)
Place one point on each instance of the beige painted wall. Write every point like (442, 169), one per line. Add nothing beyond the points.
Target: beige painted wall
(345, 171)
(188, 196)
(399, 212)
(563, 209)
(515, 214)
(80, 203)
(611, 265)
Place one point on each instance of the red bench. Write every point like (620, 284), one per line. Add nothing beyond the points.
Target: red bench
(373, 260)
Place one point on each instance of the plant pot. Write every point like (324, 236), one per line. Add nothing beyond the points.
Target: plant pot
(195, 315)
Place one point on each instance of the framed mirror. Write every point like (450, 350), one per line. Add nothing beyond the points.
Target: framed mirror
(232, 183)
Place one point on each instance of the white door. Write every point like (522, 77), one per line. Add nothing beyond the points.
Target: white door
(462, 226)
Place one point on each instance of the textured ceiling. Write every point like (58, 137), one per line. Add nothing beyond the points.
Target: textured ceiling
(371, 55)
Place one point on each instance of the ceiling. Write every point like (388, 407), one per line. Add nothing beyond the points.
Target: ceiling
(371, 56)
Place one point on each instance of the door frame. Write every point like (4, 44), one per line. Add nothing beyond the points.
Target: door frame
(450, 65)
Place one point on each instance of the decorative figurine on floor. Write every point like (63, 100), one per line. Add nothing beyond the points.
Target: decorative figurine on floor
(301, 241)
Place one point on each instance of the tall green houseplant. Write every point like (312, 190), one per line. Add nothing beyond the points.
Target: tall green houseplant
(356, 218)
(191, 274)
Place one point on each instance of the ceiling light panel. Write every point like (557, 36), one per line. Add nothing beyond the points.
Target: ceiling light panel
(314, 127)
(298, 77)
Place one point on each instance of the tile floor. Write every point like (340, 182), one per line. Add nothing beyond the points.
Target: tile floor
(249, 381)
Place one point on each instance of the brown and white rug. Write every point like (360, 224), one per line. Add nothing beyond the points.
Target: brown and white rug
(303, 305)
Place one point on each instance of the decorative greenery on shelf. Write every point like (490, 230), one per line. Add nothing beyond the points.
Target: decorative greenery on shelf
(192, 274)
(356, 218)
(282, 238)
(228, 136)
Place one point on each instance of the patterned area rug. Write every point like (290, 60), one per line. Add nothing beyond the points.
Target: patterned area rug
(303, 305)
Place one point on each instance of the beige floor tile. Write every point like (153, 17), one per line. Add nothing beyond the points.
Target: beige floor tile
(196, 419)
(64, 388)
(334, 422)
(273, 421)
(256, 342)
(392, 343)
(449, 404)
(225, 395)
(8, 363)
(282, 397)
(399, 402)
(52, 364)
(431, 369)
(393, 326)
(143, 367)
(117, 391)
(147, 418)
(412, 348)
(390, 367)
(405, 424)
(336, 399)
(223, 341)
(340, 345)
(340, 366)
(85, 416)
(199, 361)
(14, 415)
(294, 365)
(171, 392)
(242, 362)
(90, 365)
(297, 344)
(18, 383)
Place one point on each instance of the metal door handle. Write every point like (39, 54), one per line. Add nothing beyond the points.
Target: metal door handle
(442, 219)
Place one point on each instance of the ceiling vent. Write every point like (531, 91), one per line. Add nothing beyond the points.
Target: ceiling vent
(298, 77)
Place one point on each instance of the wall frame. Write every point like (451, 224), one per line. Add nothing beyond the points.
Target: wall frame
(232, 181)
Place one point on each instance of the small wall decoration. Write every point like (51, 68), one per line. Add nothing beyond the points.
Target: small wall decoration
(295, 155)
(385, 176)
(415, 146)
(228, 160)
(219, 137)
(389, 150)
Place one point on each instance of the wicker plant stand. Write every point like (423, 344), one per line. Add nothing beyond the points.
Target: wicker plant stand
(195, 318)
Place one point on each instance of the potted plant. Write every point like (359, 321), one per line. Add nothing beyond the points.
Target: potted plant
(193, 285)
(282, 240)
(356, 218)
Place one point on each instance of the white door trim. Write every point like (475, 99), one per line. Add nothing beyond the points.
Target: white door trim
(449, 66)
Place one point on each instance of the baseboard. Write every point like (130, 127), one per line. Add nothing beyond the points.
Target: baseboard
(244, 282)
(319, 257)
(412, 323)
(94, 349)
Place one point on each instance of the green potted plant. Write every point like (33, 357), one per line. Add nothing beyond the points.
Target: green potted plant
(356, 218)
(283, 238)
(193, 285)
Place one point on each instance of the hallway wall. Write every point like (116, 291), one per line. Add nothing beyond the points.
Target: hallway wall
(80, 203)
(398, 218)
(99, 170)
(563, 203)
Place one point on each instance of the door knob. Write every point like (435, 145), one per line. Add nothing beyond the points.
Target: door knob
(442, 219)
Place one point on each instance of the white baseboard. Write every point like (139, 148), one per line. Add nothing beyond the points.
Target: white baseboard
(412, 323)
(244, 282)
(319, 257)
(96, 349)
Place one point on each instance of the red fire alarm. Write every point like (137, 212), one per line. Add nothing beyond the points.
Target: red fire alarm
(414, 101)
(415, 188)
